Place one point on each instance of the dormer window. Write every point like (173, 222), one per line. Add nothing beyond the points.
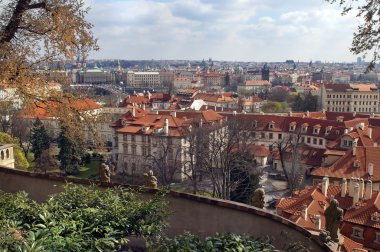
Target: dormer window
(292, 126)
(375, 217)
(356, 163)
(304, 127)
(316, 129)
(254, 124)
(328, 129)
(271, 125)
(357, 232)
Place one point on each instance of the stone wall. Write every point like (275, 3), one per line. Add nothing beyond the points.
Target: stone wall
(201, 215)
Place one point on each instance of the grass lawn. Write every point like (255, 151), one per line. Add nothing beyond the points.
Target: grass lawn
(90, 171)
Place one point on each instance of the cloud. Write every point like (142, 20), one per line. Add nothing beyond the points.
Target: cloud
(249, 30)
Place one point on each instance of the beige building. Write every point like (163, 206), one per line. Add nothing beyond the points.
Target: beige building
(143, 79)
(6, 156)
(363, 98)
(156, 141)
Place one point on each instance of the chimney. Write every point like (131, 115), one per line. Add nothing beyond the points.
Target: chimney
(325, 185)
(221, 109)
(354, 144)
(174, 113)
(368, 190)
(343, 191)
(351, 187)
(133, 111)
(143, 106)
(234, 113)
(370, 169)
(356, 194)
(206, 107)
(307, 113)
(201, 123)
(369, 132)
(318, 221)
(345, 131)
(290, 113)
(361, 188)
(304, 211)
(166, 127)
(354, 114)
(244, 112)
(360, 126)
(372, 115)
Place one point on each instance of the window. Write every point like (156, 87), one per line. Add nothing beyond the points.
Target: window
(144, 151)
(308, 140)
(314, 141)
(320, 141)
(357, 232)
(377, 239)
(133, 138)
(304, 129)
(133, 149)
(263, 135)
(270, 135)
(125, 137)
(253, 134)
(279, 136)
(143, 139)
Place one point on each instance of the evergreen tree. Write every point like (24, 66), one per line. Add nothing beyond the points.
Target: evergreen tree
(71, 152)
(39, 139)
(258, 198)
(298, 104)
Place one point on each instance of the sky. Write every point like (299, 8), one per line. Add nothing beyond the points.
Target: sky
(232, 30)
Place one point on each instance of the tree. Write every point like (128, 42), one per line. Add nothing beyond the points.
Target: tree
(275, 107)
(80, 219)
(21, 131)
(46, 161)
(367, 36)
(35, 34)
(244, 180)
(279, 94)
(197, 148)
(298, 104)
(227, 148)
(7, 110)
(293, 171)
(20, 160)
(310, 102)
(165, 160)
(39, 139)
(258, 198)
(71, 151)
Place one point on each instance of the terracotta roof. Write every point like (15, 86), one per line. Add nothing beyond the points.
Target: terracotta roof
(258, 150)
(50, 109)
(344, 166)
(256, 83)
(350, 245)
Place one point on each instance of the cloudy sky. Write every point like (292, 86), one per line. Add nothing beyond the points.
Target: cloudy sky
(235, 30)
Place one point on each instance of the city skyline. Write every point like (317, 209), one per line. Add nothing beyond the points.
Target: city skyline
(244, 30)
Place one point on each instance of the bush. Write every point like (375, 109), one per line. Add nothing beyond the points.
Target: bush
(219, 242)
(79, 219)
(20, 159)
